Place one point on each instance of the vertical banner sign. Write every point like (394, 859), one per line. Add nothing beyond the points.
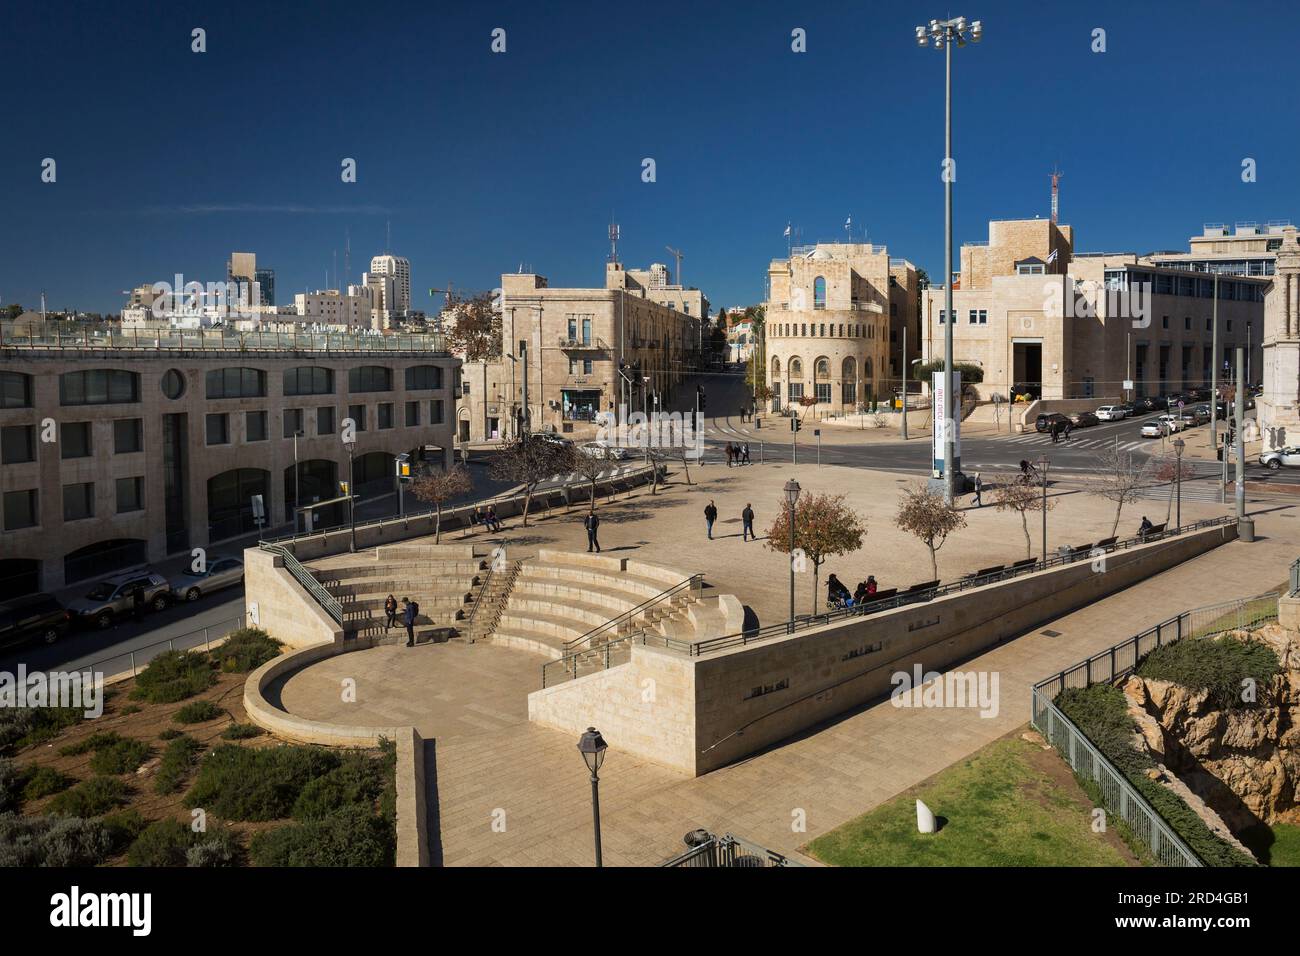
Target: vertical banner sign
(941, 410)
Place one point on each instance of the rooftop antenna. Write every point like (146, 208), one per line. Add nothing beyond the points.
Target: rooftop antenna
(347, 256)
(1056, 191)
(613, 242)
(677, 254)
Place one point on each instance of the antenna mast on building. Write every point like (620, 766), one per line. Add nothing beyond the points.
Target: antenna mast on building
(677, 254)
(388, 237)
(347, 256)
(613, 242)
(1056, 192)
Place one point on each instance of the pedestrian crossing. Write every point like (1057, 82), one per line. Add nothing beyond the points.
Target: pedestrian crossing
(1192, 491)
(1145, 444)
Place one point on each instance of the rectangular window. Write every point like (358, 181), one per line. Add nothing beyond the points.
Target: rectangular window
(974, 317)
(796, 391)
(586, 366)
(325, 420)
(984, 316)
(99, 386)
(128, 436)
(358, 415)
(75, 440)
(370, 378)
(255, 426)
(1187, 324)
(20, 510)
(130, 495)
(420, 378)
(17, 444)
(293, 422)
(15, 390)
(308, 380)
(218, 427)
(385, 415)
(236, 383)
(1164, 321)
(586, 329)
(435, 411)
(1230, 325)
(412, 414)
(824, 392)
(79, 501)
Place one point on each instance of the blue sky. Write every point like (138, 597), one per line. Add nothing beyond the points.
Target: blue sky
(169, 160)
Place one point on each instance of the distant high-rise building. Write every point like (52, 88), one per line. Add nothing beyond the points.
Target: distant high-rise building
(266, 285)
(242, 267)
(399, 269)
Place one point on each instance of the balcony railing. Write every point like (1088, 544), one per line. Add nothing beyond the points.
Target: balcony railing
(80, 335)
(598, 345)
(729, 851)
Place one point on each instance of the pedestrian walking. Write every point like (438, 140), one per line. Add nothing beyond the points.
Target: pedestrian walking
(592, 524)
(747, 523)
(411, 609)
(745, 453)
(710, 516)
(1055, 432)
(390, 613)
(979, 491)
(731, 454)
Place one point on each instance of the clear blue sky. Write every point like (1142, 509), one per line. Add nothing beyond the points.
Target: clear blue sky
(169, 160)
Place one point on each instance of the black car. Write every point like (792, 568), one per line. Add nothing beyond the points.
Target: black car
(1147, 404)
(31, 617)
(1084, 419)
(1045, 421)
(1128, 408)
(1158, 402)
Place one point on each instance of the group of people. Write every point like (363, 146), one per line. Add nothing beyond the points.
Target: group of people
(837, 595)
(487, 518)
(746, 520)
(410, 611)
(737, 453)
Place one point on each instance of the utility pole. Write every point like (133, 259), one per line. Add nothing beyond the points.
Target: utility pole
(1214, 371)
(906, 370)
(1245, 529)
(523, 355)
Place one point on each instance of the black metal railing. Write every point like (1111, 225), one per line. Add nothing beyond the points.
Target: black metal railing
(304, 577)
(729, 851)
(665, 595)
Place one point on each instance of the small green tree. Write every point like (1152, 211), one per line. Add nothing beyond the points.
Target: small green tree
(1020, 498)
(823, 526)
(924, 514)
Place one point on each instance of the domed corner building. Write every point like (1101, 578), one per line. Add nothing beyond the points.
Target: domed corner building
(834, 326)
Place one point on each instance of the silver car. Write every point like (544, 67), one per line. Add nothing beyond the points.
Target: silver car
(117, 596)
(1290, 457)
(221, 573)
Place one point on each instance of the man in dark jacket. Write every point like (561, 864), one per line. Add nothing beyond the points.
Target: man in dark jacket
(747, 523)
(409, 612)
(592, 524)
(710, 516)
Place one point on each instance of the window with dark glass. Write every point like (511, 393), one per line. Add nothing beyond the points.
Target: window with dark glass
(309, 380)
(218, 429)
(15, 390)
(358, 415)
(435, 411)
(255, 426)
(385, 415)
(412, 414)
(75, 440)
(325, 420)
(292, 422)
(17, 444)
(172, 384)
(236, 383)
(128, 436)
(130, 495)
(79, 501)
(423, 378)
(20, 509)
(370, 378)
(99, 386)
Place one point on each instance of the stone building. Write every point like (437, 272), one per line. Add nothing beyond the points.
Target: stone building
(834, 325)
(1278, 407)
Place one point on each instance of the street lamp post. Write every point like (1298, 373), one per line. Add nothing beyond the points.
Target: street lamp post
(351, 446)
(592, 746)
(792, 498)
(1043, 465)
(942, 34)
(1179, 444)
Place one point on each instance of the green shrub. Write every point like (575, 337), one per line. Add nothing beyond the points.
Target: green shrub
(214, 849)
(93, 797)
(173, 676)
(123, 827)
(351, 837)
(171, 733)
(357, 781)
(129, 709)
(245, 650)
(124, 756)
(96, 741)
(11, 785)
(177, 759)
(241, 732)
(388, 799)
(162, 843)
(23, 726)
(1101, 713)
(44, 781)
(52, 841)
(198, 712)
(1219, 665)
(242, 783)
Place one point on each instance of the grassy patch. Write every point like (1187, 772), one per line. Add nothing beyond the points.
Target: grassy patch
(240, 783)
(242, 732)
(91, 798)
(52, 841)
(11, 785)
(174, 676)
(349, 837)
(1285, 850)
(245, 650)
(169, 842)
(45, 781)
(96, 741)
(198, 712)
(23, 726)
(1000, 811)
(1220, 665)
(177, 760)
(123, 756)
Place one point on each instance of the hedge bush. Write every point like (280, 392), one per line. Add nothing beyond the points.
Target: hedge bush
(173, 676)
(349, 837)
(1101, 713)
(177, 760)
(198, 712)
(243, 783)
(23, 726)
(52, 841)
(1218, 665)
(169, 842)
(11, 785)
(91, 798)
(45, 781)
(245, 650)
(123, 756)
(170, 733)
(123, 827)
(99, 740)
(357, 781)
(242, 732)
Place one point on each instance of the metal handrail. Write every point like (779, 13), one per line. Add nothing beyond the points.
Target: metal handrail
(304, 577)
(234, 623)
(640, 608)
(1295, 579)
(478, 598)
(696, 648)
(726, 851)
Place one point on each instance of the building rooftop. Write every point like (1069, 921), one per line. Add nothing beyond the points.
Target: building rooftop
(73, 335)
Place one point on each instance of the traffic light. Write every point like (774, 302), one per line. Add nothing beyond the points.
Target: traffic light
(795, 424)
(699, 396)
(403, 467)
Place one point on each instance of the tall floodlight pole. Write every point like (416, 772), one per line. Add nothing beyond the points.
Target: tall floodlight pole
(1214, 369)
(942, 34)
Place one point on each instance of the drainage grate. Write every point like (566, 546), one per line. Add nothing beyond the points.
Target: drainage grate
(1050, 633)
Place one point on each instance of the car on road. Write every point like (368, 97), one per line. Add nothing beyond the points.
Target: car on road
(1111, 413)
(114, 597)
(221, 573)
(1047, 420)
(554, 439)
(1153, 428)
(1172, 423)
(603, 450)
(1084, 420)
(33, 617)
(1145, 404)
(1280, 458)
(1199, 414)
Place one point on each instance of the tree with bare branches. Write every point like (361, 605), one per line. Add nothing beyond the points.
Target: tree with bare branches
(1118, 478)
(1021, 498)
(1170, 468)
(439, 487)
(475, 328)
(923, 514)
(528, 460)
(823, 526)
(590, 465)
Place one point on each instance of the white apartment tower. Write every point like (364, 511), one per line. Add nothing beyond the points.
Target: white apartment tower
(399, 269)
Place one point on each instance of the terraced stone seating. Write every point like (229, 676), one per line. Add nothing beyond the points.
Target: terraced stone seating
(441, 578)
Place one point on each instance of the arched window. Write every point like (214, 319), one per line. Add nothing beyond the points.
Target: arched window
(796, 368)
(867, 367)
(848, 369)
(236, 383)
(99, 386)
(823, 367)
(819, 292)
(776, 367)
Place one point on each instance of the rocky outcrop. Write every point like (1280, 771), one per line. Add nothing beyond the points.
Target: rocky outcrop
(1242, 764)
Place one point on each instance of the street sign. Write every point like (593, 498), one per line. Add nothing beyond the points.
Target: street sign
(817, 432)
(1128, 384)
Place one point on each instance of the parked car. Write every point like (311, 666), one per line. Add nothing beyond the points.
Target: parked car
(1201, 394)
(1280, 457)
(1145, 404)
(1173, 423)
(32, 617)
(1153, 428)
(1084, 419)
(1199, 413)
(111, 598)
(1111, 413)
(604, 450)
(1129, 410)
(1045, 421)
(221, 573)
(1159, 402)
(553, 438)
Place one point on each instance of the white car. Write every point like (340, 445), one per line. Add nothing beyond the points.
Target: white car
(1172, 423)
(603, 450)
(1153, 428)
(1111, 413)
(1288, 457)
